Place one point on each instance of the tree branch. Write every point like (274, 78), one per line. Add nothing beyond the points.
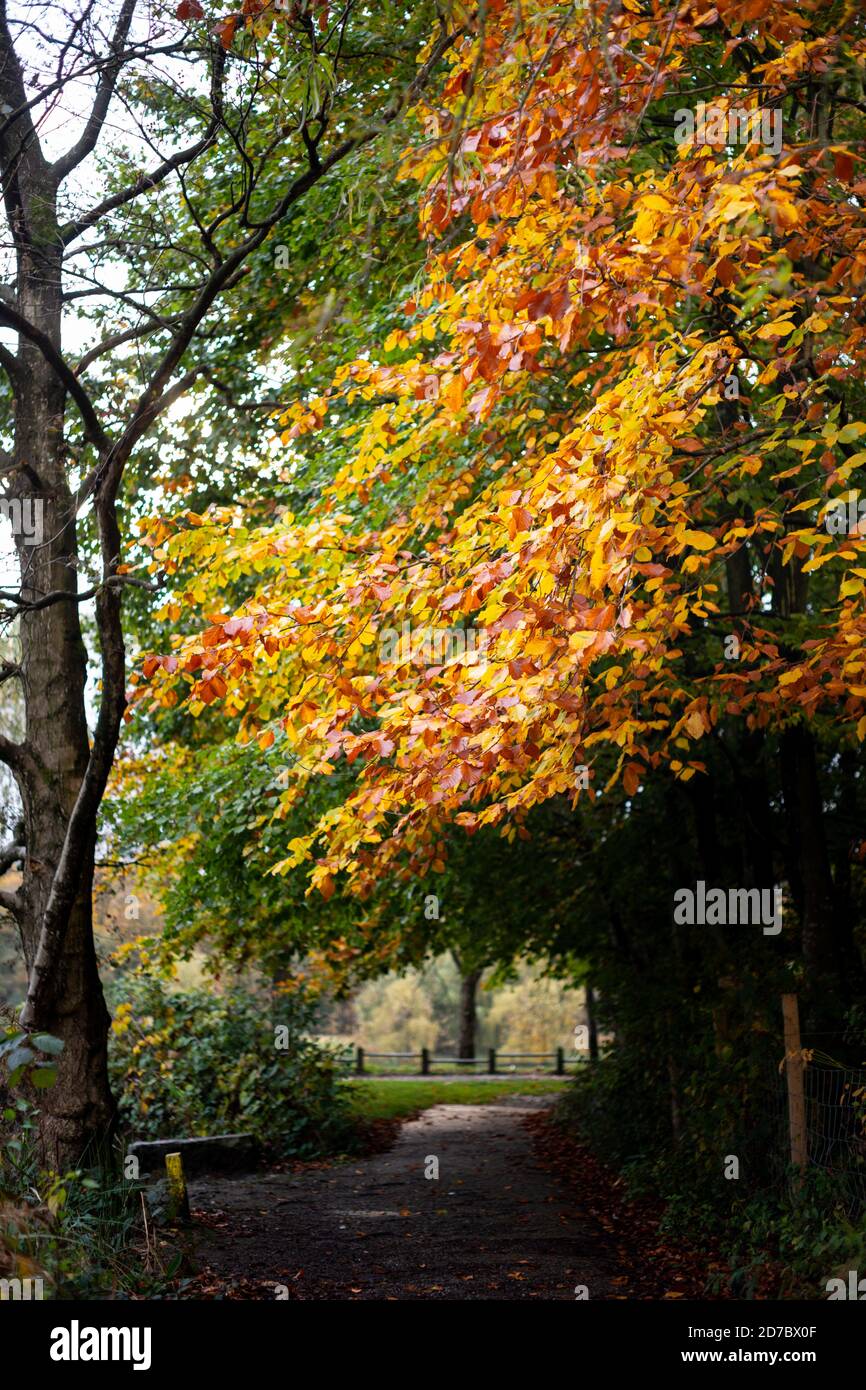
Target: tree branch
(11, 753)
(104, 92)
(9, 363)
(115, 340)
(94, 431)
(25, 605)
(158, 175)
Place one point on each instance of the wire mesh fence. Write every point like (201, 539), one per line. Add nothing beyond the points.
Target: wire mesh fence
(834, 1108)
(835, 1098)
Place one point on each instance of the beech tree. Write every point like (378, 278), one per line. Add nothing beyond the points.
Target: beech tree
(613, 435)
(148, 153)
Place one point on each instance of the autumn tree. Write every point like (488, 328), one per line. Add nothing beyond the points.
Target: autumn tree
(611, 437)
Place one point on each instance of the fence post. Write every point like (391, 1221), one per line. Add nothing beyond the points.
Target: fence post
(425, 1062)
(178, 1200)
(794, 1076)
(560, 1061)
(491, 1060)
(359, 1061)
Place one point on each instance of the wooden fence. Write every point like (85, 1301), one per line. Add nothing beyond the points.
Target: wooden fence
(494, 1063)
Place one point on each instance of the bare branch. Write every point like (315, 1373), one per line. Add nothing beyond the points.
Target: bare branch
(25, 605)
(145, 50)
(158, 175)
(12, 90)
(115, 340)
(151, 401)
(104, 92)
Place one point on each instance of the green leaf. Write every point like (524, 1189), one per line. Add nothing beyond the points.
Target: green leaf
(19, 1057)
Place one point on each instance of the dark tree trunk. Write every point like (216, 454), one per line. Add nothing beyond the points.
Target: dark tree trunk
(468, 1021)
(50, 764)
(807, 853)
(78, 1109)
(808, 847)
(845, 917)
(591, 1023)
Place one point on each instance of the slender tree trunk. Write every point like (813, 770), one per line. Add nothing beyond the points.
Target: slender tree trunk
(591, 1023)
(810, 872)
(845, 916)
(805, 815)
(468, 988)
(51, 762)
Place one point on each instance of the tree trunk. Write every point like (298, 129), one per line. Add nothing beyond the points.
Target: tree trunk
(591, 1023)
(50, 764)
(808, 847)
(468, 987)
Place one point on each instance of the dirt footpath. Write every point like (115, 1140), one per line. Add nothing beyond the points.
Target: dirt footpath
(494, 1225)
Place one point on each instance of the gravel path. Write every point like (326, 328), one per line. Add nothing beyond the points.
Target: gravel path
(495, 1225)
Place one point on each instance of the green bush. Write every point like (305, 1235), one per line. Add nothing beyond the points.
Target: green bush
(195, 1063)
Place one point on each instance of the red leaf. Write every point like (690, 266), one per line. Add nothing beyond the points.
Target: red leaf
(225, 31)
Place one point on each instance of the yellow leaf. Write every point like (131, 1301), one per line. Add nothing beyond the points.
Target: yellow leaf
(656, 202)
(776, 330)
(699, 540)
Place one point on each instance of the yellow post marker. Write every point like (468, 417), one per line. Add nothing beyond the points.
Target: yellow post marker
(178, 1199)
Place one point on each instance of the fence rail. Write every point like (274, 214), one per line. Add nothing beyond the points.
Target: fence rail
(491, 1062)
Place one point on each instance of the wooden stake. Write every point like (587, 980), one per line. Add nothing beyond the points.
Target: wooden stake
(794, 1075)
(178, 1200)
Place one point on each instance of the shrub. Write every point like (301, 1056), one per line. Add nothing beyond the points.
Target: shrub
(193, 1063)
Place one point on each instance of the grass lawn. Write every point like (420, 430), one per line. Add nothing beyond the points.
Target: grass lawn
(385, 1100)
